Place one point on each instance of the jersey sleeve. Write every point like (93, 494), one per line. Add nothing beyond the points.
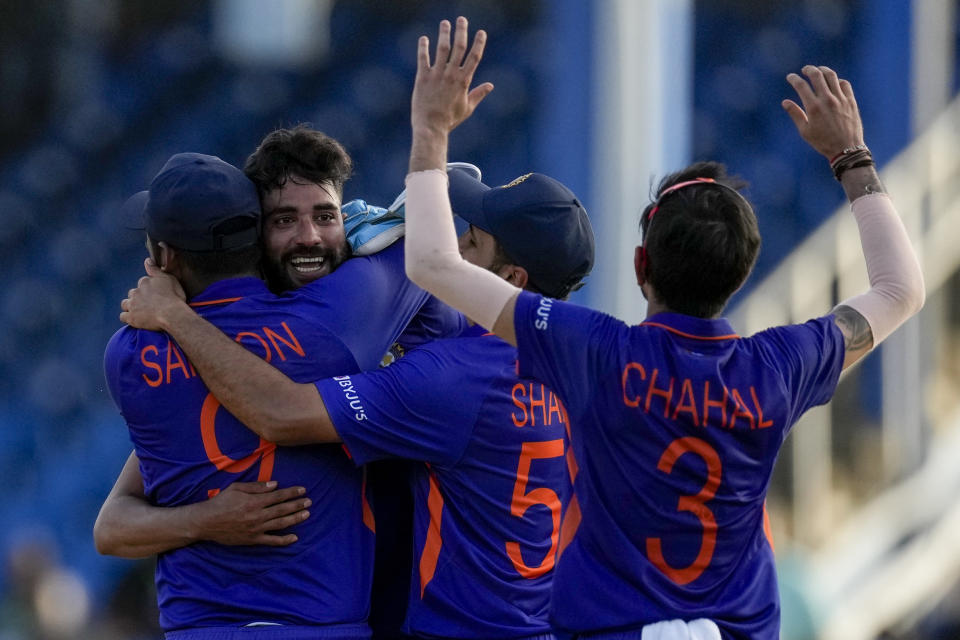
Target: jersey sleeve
(412, 409)
(809, 357)
(370, 302)
(434, 321)
(114, 357)
(563, 345)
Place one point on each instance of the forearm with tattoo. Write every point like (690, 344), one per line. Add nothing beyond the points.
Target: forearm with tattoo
(861, 181)
(857, 334)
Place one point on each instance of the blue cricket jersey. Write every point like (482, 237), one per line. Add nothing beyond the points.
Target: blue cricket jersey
(190, 448)
(487, 504)
(675, 425)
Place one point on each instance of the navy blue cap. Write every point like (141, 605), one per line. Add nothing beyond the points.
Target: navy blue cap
(197, 203)
(538, 222)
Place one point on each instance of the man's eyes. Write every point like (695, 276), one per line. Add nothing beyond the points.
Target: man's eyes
(284, 220)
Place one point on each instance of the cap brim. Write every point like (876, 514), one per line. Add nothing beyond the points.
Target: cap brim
(466, 197)
(133, 213)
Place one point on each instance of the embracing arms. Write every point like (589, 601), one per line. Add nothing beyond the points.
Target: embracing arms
(263, 398)
(242, 514)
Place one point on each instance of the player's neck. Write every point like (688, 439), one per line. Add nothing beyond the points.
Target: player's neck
(194, 285)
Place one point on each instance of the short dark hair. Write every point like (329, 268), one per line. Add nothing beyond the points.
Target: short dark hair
(301, 151)
(501, 259)
(217, 265)
(703, 241)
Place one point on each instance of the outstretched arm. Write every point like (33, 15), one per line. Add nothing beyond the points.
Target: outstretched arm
(830, 122)
(442, 99)
(259, 395)
(242, 514)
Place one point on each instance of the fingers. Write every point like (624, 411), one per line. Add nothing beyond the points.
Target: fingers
(254, 487)
(290, 493)
(275, 540)
(817, 80)
(802, 88)
(476, 52)
(833, 82)
(285, 515)
(151, 268)
(847, 89)
(459, 42)
(443, 43)
(478, 93)
(795, 112)
(423, 53)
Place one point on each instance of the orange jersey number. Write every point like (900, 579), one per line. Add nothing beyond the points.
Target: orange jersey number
(523, 500)
(695, 505)
(264, 453)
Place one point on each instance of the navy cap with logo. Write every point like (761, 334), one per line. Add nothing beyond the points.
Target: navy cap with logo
(537, 221)
(197, 203)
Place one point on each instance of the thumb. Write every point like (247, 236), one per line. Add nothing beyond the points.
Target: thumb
(151, 267)
(796, 113)
(478, 93)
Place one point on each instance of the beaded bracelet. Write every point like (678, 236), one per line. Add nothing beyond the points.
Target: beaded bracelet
(847, 151)
(851, 158)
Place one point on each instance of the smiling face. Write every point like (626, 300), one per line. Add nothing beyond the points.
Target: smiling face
(303, 236)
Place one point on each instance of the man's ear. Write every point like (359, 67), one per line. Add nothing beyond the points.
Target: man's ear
(640, 264)
(167, 258)
(515, 275)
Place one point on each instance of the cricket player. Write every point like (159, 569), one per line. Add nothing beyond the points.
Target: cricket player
(675, 424)
(202, 218)
(489, 498)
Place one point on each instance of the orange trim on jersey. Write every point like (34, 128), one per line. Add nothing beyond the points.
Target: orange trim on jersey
(431, 548)
(571, 522)
(368, 518)
(571, 519)
(209, 302)
(688, 335)
(767, 530)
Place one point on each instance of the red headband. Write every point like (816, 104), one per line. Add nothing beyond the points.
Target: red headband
(673, 188)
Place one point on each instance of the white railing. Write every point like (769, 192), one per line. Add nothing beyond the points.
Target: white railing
(892, 557)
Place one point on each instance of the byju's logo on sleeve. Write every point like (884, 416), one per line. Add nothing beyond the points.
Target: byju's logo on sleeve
(346, 385)
(543, 313)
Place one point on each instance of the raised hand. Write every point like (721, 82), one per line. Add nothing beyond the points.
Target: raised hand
(829, 120)
(156, 293)
(442, 97)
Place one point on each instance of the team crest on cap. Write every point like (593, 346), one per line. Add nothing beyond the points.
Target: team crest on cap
(516, 181)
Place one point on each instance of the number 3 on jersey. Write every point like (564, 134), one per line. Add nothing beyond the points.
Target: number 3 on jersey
(523, 500)
(695, 505)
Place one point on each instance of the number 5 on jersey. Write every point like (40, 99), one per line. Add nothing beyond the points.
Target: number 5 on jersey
(523, 500)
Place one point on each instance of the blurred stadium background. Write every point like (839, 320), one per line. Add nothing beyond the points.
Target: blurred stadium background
(605, 95)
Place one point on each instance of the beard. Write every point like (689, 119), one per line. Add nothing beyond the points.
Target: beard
(284, 274)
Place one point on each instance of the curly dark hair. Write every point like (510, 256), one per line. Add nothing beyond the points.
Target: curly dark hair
(301, 151)
(703, 241)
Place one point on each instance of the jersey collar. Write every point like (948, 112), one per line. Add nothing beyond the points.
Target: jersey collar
(229, 290)
(690, 327)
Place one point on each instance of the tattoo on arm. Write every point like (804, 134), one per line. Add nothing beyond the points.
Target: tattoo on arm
(860, 182)
(856, 330)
